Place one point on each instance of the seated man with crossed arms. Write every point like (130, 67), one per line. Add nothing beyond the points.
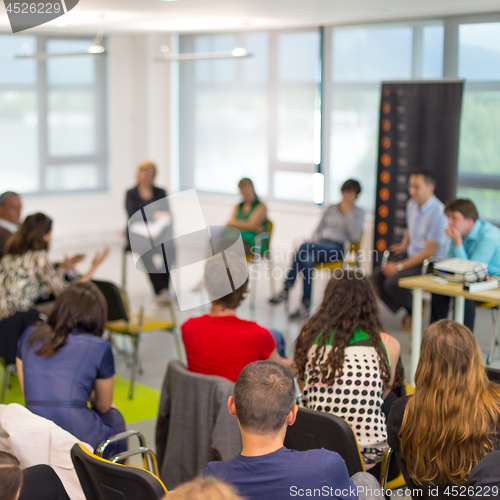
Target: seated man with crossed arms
(473, 239)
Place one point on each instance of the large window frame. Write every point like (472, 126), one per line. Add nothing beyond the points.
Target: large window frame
(42, 89)
(450, 26)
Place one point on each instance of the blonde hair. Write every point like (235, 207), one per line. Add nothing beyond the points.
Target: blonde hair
(144, 166)
(204, 489)
(450, 423)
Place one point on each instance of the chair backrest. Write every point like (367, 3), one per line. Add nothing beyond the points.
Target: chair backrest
(315, 429)
(104, 480)
(493, 374)
(116, 307)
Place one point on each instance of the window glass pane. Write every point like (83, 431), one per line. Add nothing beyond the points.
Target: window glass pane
(298, 57)
(17, 71)
(353, 143)
(215, 70)
(72, 177)
(487, 201)
(71, 123)
(230, 139)
(479, 51)
(479, 150)
(70, 70)
(371, 54)
(293, 185)
(19, 162)
(432, 51)
(256, 68)
(296, 124)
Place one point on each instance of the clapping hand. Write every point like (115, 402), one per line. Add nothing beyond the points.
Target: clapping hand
(99, 258)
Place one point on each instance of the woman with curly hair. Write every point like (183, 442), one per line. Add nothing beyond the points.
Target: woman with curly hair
(452, 421)
(347, 365)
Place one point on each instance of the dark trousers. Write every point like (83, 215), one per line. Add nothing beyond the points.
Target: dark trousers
(441, 304)
(393, 296)
(40, 482)
(159, 279)
(308, 255)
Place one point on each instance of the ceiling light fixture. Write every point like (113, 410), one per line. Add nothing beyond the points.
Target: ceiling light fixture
(238, 52)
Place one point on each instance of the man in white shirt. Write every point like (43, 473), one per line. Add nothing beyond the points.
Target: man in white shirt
(10, 216)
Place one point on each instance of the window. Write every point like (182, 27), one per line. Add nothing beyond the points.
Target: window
(479, 153)
(52, 118)
(253, 117)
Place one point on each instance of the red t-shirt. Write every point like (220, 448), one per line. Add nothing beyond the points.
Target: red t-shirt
(224, 345)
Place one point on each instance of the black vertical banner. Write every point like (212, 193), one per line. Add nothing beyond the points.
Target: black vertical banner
(419, 130)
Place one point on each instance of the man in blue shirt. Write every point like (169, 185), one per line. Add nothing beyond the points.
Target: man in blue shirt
(424, 238)
(264, 402)
(472, 239)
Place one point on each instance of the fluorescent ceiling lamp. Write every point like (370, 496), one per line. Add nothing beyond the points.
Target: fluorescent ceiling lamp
(318, 188)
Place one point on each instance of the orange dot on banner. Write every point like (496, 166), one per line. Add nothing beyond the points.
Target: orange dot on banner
(384, 194)
(387, 92)
(381, 245)
(385, 159)
(383, 211)
(386, 108)
(385, 177)
(382, 228)
(386, 142)
(386, 125)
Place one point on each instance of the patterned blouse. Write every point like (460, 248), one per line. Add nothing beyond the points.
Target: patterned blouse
(356, 396)
(26, 278)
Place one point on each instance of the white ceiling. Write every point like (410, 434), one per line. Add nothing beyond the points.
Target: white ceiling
(127, 16)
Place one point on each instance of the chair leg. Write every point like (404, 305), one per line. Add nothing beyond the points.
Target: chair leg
(271, 269)
(135, 357)
(491, 349)
(5, 387)
(177, 339)
(253, 284)
(124, 269)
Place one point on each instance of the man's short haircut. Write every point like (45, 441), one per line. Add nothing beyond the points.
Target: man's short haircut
(429, 177)
(4, 198)
(264, 395)
(216, 279)
(465, 207)
(351, 185)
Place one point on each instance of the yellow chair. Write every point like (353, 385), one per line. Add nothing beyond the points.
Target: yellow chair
(120, 321)
(102, 478)
(263, 242)
(350, 249)
(8, 369)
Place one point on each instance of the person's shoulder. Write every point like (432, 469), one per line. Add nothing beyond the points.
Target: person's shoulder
(132, 191)
(158, 191)
(398, 409)
(195, 321)
(312, 460)
(218, 468)
(88, 338)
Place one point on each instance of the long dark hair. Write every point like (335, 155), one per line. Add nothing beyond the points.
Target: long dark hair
(80, 307)
(248, 182)
(30, 235)
(349, 302)
(11, 476)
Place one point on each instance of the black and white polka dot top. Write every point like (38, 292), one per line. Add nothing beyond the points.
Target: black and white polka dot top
(356, 396)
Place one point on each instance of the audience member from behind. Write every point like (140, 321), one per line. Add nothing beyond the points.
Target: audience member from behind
(264, 403)
(220, 343)
(452, 421)
(26, 273)
(204, 489)
(347, 364)
(340, 223)
(64, 363)
(39, 482)
(249, 216)
(10, 217)
(472, 239)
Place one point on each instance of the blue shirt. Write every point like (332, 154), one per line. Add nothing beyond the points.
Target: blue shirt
(481, 245)
(286, 474)
(426, 223)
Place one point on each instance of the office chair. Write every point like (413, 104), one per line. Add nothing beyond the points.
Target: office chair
(103, 479)
(120, 321)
